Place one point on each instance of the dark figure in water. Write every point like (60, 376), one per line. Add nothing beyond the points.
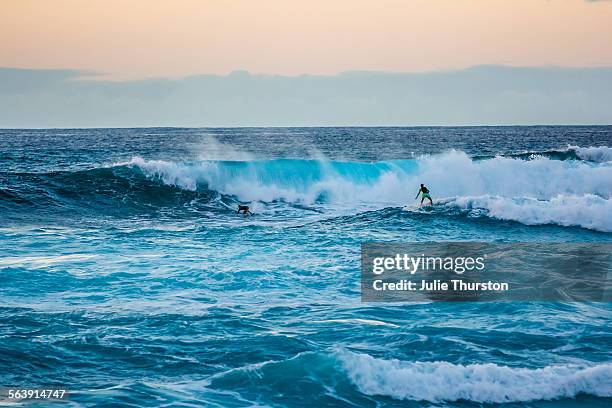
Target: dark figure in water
(245, 209)
(425, 194)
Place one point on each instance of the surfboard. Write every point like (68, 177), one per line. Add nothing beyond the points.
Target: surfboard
(416, 207)
(234, 209)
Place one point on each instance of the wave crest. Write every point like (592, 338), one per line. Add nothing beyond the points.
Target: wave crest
(587, 211)
(315, 372)
(596, 154)
(601, 154)
(484, 383)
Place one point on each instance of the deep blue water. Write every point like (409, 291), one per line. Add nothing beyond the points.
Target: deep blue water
(129, 278)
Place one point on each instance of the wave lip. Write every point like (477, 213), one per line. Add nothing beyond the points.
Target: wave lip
(484, 383)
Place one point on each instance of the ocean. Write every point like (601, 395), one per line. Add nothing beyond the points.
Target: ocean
(129, 278)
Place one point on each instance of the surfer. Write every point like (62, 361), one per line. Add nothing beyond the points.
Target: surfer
(245, 209)
(425, 194)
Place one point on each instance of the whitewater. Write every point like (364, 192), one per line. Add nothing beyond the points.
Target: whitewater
(129, 278)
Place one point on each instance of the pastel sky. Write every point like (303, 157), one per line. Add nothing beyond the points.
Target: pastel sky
(147, 38)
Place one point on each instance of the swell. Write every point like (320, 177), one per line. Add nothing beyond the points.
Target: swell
(596, 154)
(117, 189)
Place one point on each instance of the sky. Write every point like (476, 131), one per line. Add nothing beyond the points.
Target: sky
(158, 38)
(162, 45)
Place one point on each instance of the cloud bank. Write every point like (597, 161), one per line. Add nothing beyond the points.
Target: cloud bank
(484, 95)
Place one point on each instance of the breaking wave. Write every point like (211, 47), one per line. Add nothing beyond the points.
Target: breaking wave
(597, 154)
(452, 174)
(419, 381)
(537, 191)
(587, 211)
(485, 383)
(600, 154)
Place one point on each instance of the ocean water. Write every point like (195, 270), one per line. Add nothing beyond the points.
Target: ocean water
(128, 277)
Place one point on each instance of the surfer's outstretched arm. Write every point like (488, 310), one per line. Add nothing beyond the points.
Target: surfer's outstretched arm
(417, 196)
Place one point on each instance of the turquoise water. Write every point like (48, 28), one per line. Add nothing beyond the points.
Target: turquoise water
(129, 278)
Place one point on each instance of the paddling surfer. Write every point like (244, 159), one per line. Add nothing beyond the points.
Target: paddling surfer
(244, 209)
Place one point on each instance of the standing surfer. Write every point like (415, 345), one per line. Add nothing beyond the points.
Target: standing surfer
(425, 194)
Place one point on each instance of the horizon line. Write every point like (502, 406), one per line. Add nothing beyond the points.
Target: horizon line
(308, 127)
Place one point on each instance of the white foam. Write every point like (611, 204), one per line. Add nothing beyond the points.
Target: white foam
(600, 154)
(171, 173)
(44, 261)
(484, 383)
(587, 211)
(368, 322)
(455, 174)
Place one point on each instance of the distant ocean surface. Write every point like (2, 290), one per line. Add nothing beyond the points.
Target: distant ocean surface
(128, 277)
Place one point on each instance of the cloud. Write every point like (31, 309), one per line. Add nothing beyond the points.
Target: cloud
(478, 95)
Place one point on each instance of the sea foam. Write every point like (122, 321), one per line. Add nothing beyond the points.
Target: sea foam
(484, 383)
(600, 154)
(587, 211)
